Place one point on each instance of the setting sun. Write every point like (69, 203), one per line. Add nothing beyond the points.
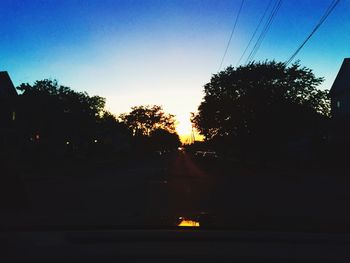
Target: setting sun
(184, 129)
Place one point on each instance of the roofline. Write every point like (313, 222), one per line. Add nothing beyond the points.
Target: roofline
(345, 61)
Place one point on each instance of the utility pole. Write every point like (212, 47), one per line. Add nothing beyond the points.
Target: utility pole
(193, 138)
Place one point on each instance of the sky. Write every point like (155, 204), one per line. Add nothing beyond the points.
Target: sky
(163, 52)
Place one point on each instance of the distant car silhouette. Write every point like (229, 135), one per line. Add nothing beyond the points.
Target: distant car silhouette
(199, 154)
(206, 154)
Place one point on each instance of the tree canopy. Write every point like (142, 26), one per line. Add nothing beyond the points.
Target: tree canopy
(165, 140)
(52, 110)
(143, 120)
(151, 127)
(261, 101)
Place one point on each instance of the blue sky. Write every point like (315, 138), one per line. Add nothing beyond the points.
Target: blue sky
(158, 52)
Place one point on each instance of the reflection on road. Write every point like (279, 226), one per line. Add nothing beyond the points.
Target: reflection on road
(188, 223)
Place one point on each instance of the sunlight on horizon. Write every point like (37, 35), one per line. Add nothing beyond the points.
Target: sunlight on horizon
(184, 129)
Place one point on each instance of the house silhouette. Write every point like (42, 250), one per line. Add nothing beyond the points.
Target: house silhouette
(7, 89)
(340, 93)
(8, 95)
(8, 100)
(339, 134)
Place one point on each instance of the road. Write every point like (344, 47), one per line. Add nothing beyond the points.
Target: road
(183, 189)
(157, 192)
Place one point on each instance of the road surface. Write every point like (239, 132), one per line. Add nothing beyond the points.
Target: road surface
(158, 192)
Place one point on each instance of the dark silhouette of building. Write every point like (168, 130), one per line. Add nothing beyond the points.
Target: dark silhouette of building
(339, 135)
(7, 89)
(8, 100)
(340, 92)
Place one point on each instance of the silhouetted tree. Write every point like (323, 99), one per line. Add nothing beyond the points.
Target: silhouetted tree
(56, 119)
(142, 120)
(263, 103)
(111, 136)
(165, 140)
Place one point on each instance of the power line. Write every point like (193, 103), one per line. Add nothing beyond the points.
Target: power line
(263, 33)
(323, 18)
(256, 30)
(233, 30)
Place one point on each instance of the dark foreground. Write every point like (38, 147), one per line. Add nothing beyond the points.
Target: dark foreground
(157, 192)
(172, 246)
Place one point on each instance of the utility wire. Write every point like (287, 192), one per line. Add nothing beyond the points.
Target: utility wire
(263, 33)
(256, 30)
(323, 18)
(233, 30)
